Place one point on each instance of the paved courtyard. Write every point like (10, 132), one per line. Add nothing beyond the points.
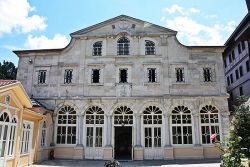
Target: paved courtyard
(155, 163)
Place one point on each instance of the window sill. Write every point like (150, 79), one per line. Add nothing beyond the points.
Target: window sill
(65, 145)
(180, 83)
(41, 85)
(123, 83)
(70, 84)
(95, 84)
(208, 83)
(10, 157)
(24, 154)
(151, 83)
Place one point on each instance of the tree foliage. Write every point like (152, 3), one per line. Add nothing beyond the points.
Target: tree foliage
(239, 139)
(7, 70)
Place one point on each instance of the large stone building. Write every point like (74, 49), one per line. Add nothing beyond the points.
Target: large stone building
(127, 89)
(236, 60)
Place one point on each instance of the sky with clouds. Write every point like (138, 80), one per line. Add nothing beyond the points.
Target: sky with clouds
(36, 24)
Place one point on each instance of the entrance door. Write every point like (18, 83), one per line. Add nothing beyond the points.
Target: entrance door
(93, 148)
(152, 141)
(123, 143)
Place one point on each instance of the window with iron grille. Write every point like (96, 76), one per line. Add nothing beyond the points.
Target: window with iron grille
(95, 76)
(66, 125)
(43, 135)
(207, 74)
(42, 76)
(68, 76)
(152, 75)
(123, 46)
(149, 47)
(179, 74)
(181, 125)
(97, 49)
(123, 75)
(209, 119)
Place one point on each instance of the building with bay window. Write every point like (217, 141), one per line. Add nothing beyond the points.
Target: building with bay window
(127, 89)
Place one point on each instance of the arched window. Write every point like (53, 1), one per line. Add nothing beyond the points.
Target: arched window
(12, 137)
(97, 48)
(4, 127)
(209, 116)
(152, 120)
(94, 123)
(149, 47)
(123, 46)
(181, 125)
(123, 115)
(43, 134)
(26, 141)
(66, 125)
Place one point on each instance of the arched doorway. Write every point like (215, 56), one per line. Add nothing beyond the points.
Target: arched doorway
(123, 133)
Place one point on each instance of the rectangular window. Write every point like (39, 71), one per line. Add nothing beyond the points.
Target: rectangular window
(123, 75)
(233, 55)
(228, 81)
(230, 58)
(151, 75)
(231, 96)
(243, 46)
(225, 63)
(179, 74)
(237, 74)
(241, 91)
(231, 78)
(241, 71)
(42, 76)
(239, 48)
(95, 75)
(68, 76)
(247, 66)
(207, 74)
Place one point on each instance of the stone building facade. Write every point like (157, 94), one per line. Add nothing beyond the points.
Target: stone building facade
(127, 89)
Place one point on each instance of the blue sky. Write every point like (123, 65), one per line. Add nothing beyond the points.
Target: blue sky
(35, 24)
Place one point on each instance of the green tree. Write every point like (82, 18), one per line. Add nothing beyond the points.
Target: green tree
(239, 139)
(7, 70)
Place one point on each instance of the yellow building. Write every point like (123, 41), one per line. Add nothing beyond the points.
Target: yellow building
(23, 128)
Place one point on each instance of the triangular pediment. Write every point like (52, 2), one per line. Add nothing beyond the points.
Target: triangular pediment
(123, 24)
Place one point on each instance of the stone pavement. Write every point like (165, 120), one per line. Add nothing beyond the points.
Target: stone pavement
(146, 163)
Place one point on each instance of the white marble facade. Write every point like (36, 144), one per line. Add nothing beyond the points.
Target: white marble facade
(183, 114)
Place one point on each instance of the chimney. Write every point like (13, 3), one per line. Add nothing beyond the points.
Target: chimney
(248, 5)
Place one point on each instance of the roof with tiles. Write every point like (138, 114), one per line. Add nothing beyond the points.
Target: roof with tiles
(7, 82)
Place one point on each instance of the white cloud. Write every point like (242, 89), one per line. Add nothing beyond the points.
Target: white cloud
(178, 9)
(16, 15)
(195, 33)
(211, 16)
(42, 42)
(194, 10)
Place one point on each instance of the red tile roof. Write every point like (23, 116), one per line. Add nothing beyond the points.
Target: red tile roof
(6, 82)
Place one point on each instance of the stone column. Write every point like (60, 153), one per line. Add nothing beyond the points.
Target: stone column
(138, 130)
(79, 131)
(224, 124)
(55, 130)
(168, 149)
(166, 125)
(196, 133)
(107, 151)
(138, 150)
